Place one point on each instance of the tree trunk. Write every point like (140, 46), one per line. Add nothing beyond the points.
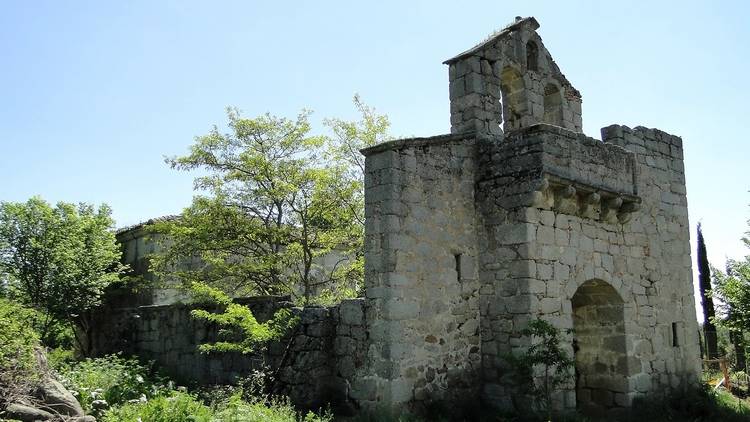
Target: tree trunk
(707, 303)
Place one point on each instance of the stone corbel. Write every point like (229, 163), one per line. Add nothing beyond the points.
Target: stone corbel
(541, 196)
(627, 210)
(610, 208)
(584, 200)
(566, 200)
(590, 205)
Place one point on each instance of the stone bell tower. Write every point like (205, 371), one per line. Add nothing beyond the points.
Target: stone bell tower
(509, 82)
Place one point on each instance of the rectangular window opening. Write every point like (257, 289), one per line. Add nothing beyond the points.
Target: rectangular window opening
(675, 340)
(457, 257)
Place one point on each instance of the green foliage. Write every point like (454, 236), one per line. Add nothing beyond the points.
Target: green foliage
(350, 137)
(276, 202)
(237, 410)
(58, 259)
(331, 297)
(701, 404)
(239, 330)
(174, 407)
(111, 378)
(273, 206)
(543, 359)
(17, 343)
(707, 302)
(733, 290)
(60, 357)
(179, 407)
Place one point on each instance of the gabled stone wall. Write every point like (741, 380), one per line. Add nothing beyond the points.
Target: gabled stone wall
(510, 81)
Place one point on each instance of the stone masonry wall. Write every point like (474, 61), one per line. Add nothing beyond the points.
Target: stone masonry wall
(421, 277)
(321, 354)
(543, 223)
(662, 274)
(582, 213)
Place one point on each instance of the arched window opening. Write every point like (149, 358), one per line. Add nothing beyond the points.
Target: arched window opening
(532, 56)
(600, 347)
(553, 114)
(514, 104)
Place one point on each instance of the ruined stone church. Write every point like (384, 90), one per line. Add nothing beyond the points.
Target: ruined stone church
(515, 215)
(518, 215)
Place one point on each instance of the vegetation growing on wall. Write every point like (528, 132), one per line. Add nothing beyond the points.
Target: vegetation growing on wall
(238, 328)
(543, 368)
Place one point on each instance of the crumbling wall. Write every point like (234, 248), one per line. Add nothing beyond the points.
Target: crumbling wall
(312, 364)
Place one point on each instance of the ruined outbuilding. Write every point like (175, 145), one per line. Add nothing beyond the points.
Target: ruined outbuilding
(517, 215)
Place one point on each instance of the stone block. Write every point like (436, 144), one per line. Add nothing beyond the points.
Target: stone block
(400, 309)
(351, 312)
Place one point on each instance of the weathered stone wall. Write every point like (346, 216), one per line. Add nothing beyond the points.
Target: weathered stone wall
(660, 271)
(321, 354)
(588, 235)
(421, 277)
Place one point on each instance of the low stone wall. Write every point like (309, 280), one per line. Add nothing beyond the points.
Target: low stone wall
(316, 359)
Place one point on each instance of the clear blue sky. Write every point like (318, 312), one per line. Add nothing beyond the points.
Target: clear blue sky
(95, 93)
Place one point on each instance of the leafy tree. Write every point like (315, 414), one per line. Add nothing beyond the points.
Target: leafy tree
(57, 260)
(215, 227)
(349, 137)
(272, 207)
(732, 289)
(707, 303)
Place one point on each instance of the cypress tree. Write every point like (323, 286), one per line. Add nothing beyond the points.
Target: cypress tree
(707, 303)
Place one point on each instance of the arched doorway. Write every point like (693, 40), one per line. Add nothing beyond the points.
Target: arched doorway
(600, 347)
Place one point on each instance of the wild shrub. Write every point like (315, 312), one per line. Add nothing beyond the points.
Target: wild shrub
(238, 410)
(18, 367)
(173, 407)
(113, 378)
(545, 360)
(694, 404)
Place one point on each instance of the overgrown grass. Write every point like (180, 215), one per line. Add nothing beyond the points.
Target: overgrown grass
(113, 378)
(237, 410)
(115, 388)
(702, 404)
(173, 407)
(183, 407)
